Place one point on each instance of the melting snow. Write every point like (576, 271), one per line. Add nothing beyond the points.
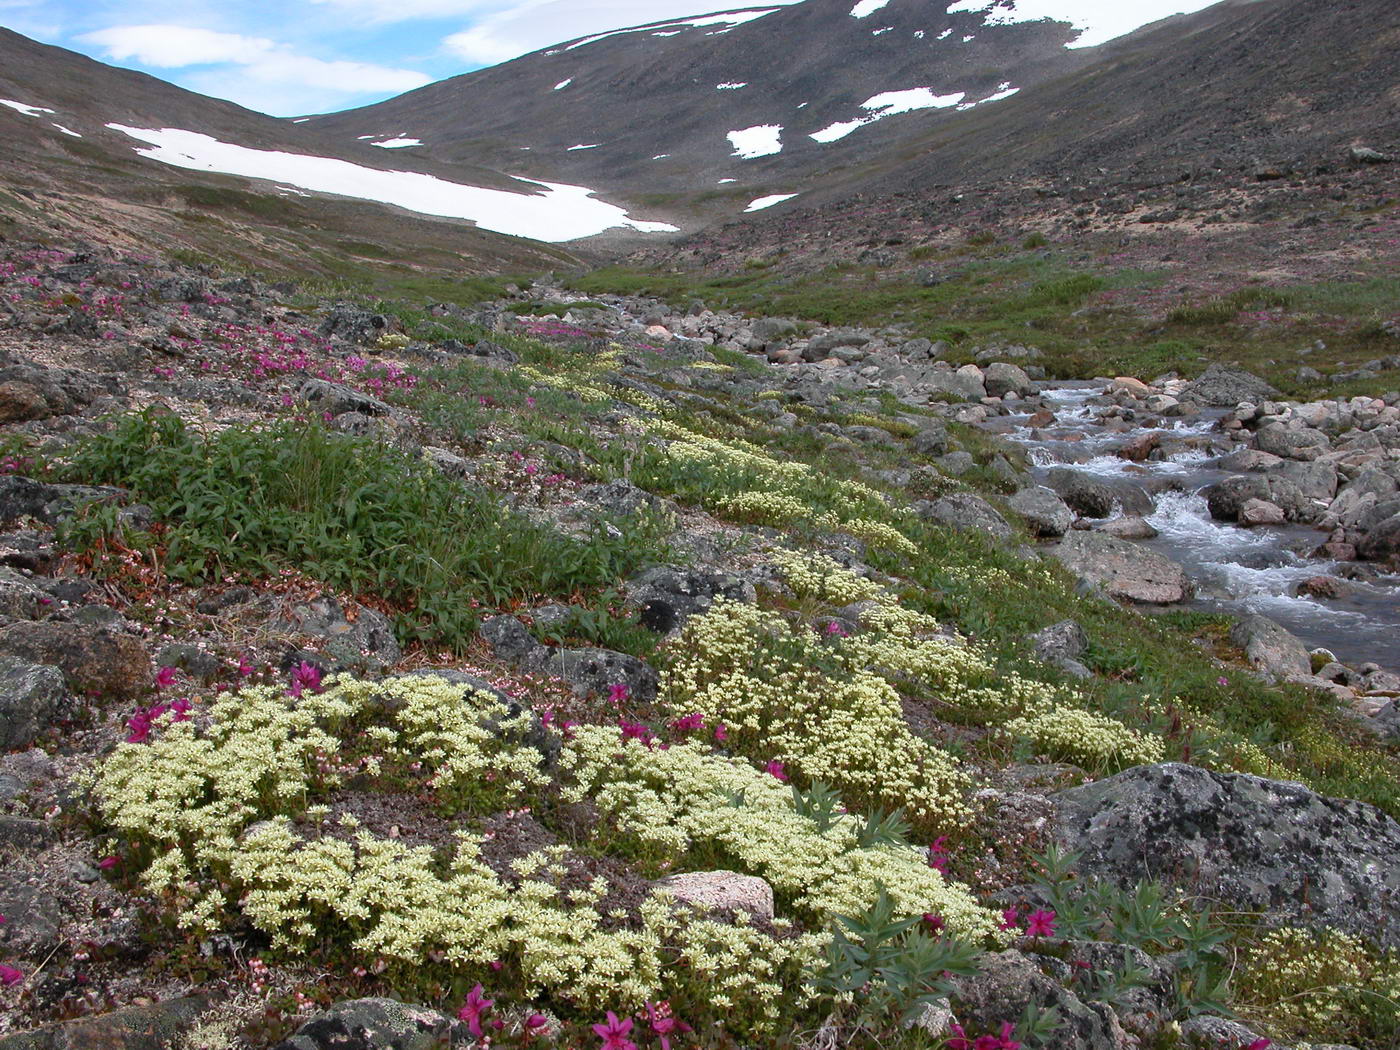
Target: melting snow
(661, 156)
(945, 34)
(729, 19)
(918, 34)
(723, 181)
(1099, 22)
(301, 120)
(397, 143)
(1004, 90)
(761, 141)
(66, 131)
(20, 107)
(968, 39)
(768, 202)
(732, 85)
(560, 213)
(877, 32)
(867, 7)
(563, 84)
(887, 104)
(589, 145)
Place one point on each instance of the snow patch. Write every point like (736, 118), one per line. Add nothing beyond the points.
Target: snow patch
(66, 131)
(661, 156)
(546, 211)
(729, 19)
(762, 140)
(918, 34)
(397, 143)
(589, 145)
(563, 84)
(20, 107)
(732, 85)
(723, 181)
(968, 39)
(888, 104)
(867, 7)
(877, 32)
(301, 120)
(1004, 90)
(769, 201)
(945, 34)
(1098, 22)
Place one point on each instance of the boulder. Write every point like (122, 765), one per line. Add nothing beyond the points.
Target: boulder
(597, 671)
(373, 1024)
(1300, 443)
(1387, 720)
(355, 325)
(153, 1027)
(964, 511)
(1382, 542)
(932, 440)
(22, 497)
(1260, 845)
(1261, 512)
(1001, 379)
(1271, 648)
(31, 697)
(1124, 570)
(1225, 387)
(962, 384)
(337, 398)
(1084, 493)
(353, 637)
(1062, 645)
(667, 596)
(1044, 511)
(1009, 984)
(771, 329)
(1129, 528)
(92, 659)
(721, 890)
(1227, 498)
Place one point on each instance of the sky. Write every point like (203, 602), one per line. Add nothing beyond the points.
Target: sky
(295, 57)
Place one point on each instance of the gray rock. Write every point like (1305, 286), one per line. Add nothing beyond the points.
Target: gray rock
(1316, 480)
(1001, 379)
(596, 671)
(368, 641)
(619, 498)
(22, 497)
(511, 640)
(1084, 493)
(932, 440)
(355, 325)
(772, 329)
(1129, 528)
(1382, 542)
(1260, 845)
(962, 384)
(956, 463)
(31, 697)
(154, 1027)
(91, 658)
(821, 345)
(962, 510)
(1270, 648)
(1225, 387)
(1065, 640)
(1009, 983)
(23, 833)
(1123, 570)
(1300, 443)
(33, 918)
(1387, 720)
(1261, 512)
(337, 398)
(372, 1024)
(1367, 155)
(667, 596)
(1227, 498)
(1044, 511)
(1211, 1033)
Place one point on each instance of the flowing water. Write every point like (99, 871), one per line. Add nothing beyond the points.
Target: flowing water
(1234, 569)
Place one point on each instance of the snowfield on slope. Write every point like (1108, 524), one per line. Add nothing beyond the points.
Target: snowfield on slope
(761, 141)
(560, 213)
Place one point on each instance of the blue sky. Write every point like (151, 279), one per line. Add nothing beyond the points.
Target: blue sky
(307, 56)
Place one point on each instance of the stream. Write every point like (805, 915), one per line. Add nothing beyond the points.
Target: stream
(1234, 569)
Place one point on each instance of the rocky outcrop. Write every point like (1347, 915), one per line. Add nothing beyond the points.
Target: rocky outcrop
(1260, 845)
(1270, 648)
(721, 890)
(373, 1024)
(667, 596)
(91, 658)
(31, 695)
(964, 511)
(1044, 511)
(1225, 387)
(1009, 983)
(152, 1027)
(1123, 570)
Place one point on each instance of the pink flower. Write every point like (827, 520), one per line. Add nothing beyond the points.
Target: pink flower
(721, 734)
(165, 677)
(958, 1040)
(618, 692)
(1006, 1042)
(1260, 1044)
(108, 863)
(535, 1024)
(933, 923)
(1009, 919)
(835, 629)
(1040, 923)
(635, 731)
(689, 723)
(777, 772)
(663, 1024)
(305, 676)
(472, 1010)
(1222, 680)
(9, 976)
(614, 1033)
(245, 667)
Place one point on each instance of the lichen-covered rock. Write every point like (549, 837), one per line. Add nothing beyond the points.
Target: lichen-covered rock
(1084, 493)
(1122, 569)
(1044, 511)
(1009, 983)
(372, 1024)
(1260, 845)
(964, 511)
(667, 596)
(92, 659)
(152, 1027)
(354, 637)
(31, 695)
(337, 398)
(22, 497)
(726, 890)
(1270, 647)
(597, 671)
(1225, 387)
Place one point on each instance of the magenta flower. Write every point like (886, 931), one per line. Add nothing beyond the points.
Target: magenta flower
(689, 723)
(9, 976)
(535, 1024)
(474, 1008)
(663, 1024)
(614, 1033)
(618, 693)
(305, 676)
(958, 1039)
(245, 667)
(777, 772)
(1006, 1042)
(933, 923)
(1260, 1044)
(1040, 923)
(721, 733)
(108, 863)
(635, 731)
(165, 677)
(1009, 919)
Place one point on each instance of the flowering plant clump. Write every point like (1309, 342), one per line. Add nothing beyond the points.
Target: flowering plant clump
(1096, 742)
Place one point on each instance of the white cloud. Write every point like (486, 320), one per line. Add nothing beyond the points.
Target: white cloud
(258, 59)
